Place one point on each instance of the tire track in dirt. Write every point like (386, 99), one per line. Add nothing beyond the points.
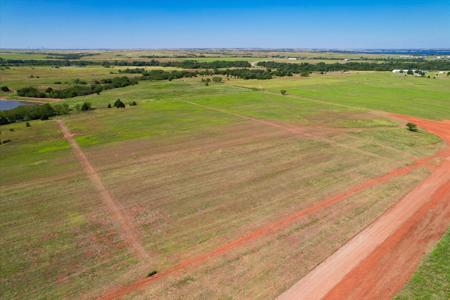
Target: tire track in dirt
(126, 230)
(265, 230)
(372, 265)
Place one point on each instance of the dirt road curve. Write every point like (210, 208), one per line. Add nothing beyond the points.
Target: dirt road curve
(127, 232)
(377, 262)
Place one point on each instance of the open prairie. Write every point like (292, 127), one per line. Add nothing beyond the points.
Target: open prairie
(220, 189)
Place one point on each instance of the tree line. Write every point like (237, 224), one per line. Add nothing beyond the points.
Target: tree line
(185, 64)
(284, 69)
(79, 89)
(32, 112)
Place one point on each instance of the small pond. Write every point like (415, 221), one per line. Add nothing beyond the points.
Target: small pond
(10, 104)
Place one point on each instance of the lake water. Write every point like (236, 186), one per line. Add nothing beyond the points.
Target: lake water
(10, 104)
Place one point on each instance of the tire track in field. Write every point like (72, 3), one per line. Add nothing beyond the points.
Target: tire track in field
(126, 230)
(266, 230)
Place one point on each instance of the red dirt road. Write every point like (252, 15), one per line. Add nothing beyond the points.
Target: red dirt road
(377, 262)
(127, 232)
(268, 229)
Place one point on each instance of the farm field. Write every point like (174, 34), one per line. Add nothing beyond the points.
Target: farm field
(195, 167)
(229, 150)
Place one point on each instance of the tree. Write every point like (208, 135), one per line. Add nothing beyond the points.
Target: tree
(119, 104)
(86, 106)
(5, 88)
(109, 105)
(28, 124)
(411, 127)
(283, 92)
(410, 72)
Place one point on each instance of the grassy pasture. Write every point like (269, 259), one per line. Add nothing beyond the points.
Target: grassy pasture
(422, 97)
(194, 177)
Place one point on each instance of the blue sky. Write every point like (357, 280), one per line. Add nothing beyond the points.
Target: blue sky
(232, 23)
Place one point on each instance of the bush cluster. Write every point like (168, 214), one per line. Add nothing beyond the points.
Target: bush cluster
(79, 89)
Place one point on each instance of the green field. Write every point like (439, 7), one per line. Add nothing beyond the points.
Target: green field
(195, 166)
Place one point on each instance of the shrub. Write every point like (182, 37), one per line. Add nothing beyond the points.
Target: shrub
(109, 105)
(132, 103)
(86, 106)
(411, 127)
(119, 104)
(304, 74)
(217, 79)
(283, 92)
(28, 124)
(28, 92)
(152, 273)
(5, 88)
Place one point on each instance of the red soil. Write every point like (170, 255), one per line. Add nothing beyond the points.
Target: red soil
(267, 229)
(377, 262)
(127, 231)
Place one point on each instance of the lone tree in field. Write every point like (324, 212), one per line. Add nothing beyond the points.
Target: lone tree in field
(119, 104)
(411, 127)
(283, 92)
